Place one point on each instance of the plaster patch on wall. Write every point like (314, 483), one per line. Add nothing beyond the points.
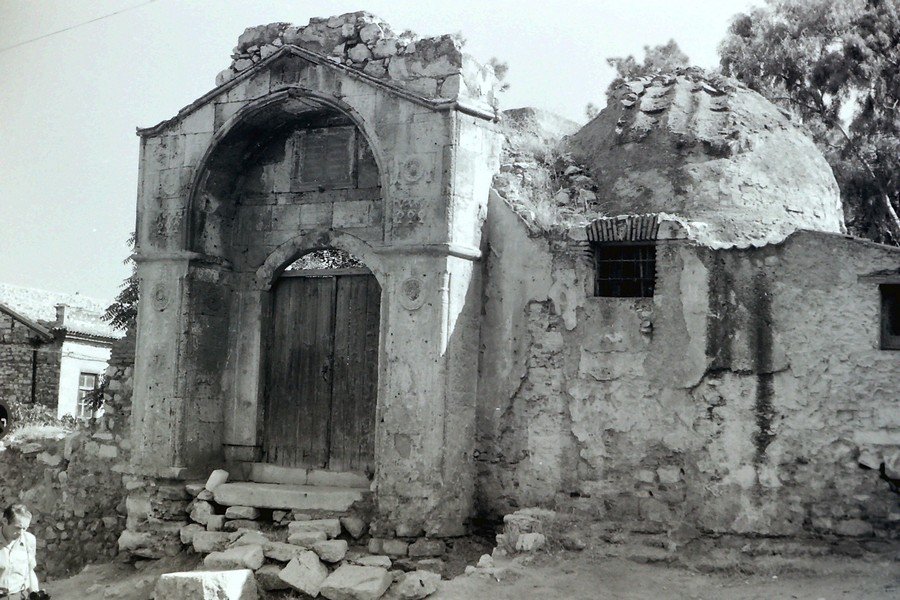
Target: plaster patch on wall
(567, 294)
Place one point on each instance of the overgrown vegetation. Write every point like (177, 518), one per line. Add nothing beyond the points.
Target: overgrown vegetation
(122, 313)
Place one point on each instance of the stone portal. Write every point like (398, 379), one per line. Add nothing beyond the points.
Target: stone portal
(295, 152)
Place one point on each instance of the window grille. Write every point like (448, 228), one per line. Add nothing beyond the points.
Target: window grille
(624, 270)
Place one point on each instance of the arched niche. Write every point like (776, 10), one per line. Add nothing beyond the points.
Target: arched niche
(289, 164)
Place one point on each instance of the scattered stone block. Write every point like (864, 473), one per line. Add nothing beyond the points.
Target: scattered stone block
(375, 545)
(205, 542)
(395, 547)
(417, 585)
(485, 562)
(279, 515)
(352, 582)
(282, 552)
(306, 538)
(205, 495)
(216, 478)
(250, 537)
(354, 526)
(201, 512)
(330, 527)
(331, 551)
(215, 523)
(207, 585)
(187, 533)
(426, 547)
(305, 573)
(241, 524)
(434, 565)
(242, 512)
(194, 488)
(240, 557)
(373, 560)
(529, 542)
(267, 578)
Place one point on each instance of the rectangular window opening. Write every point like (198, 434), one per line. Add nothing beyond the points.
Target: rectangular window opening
(87, 383)
(890, 316)
(626, 270)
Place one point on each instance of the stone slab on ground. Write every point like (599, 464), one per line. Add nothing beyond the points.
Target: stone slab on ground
(291, 497)
(352, 582)
(240, 557)
(207, 585)
(305, 573)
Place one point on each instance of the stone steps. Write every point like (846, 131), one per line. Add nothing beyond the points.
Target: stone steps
(266, 473)
(281, 496)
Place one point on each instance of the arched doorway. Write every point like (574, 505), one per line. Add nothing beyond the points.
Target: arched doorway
(320, 372)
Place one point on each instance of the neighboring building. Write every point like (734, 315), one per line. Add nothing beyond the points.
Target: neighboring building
(683, 337)
(54, 348)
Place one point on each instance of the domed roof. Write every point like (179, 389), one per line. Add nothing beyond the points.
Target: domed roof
(711, 154)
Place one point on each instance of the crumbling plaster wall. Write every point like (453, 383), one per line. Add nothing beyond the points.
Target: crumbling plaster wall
(738, 399)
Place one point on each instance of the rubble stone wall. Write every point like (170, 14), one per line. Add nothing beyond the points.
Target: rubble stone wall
(27, 361)
(72, 482)
(431, 67)
(740, 399)
(73, 487)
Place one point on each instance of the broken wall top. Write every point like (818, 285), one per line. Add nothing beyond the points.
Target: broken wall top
(434, 68)
(716, 157)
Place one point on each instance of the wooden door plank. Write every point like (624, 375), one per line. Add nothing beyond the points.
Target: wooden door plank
(353, 409)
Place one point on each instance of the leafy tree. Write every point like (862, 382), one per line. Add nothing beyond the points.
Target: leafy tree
(657, 59)
(835, 64)
(122, 313)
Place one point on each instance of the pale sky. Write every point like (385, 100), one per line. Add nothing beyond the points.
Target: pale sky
(70, 103)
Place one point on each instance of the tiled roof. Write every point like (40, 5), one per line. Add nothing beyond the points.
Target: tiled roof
(83, 314)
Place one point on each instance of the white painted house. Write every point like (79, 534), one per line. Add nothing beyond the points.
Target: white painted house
(84, 339)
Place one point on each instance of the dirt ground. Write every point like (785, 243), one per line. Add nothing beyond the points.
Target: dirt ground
(578, 576)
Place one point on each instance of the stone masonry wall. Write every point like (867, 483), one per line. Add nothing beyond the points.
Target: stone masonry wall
(23, 356)
(740, 399)
(73, 487)
(74, 482)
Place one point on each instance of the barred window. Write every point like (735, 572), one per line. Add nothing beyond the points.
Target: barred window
(624, 270)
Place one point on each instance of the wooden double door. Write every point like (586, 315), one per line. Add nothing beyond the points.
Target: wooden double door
(321, 371)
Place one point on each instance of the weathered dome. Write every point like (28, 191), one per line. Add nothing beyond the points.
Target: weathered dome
(714, 155)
